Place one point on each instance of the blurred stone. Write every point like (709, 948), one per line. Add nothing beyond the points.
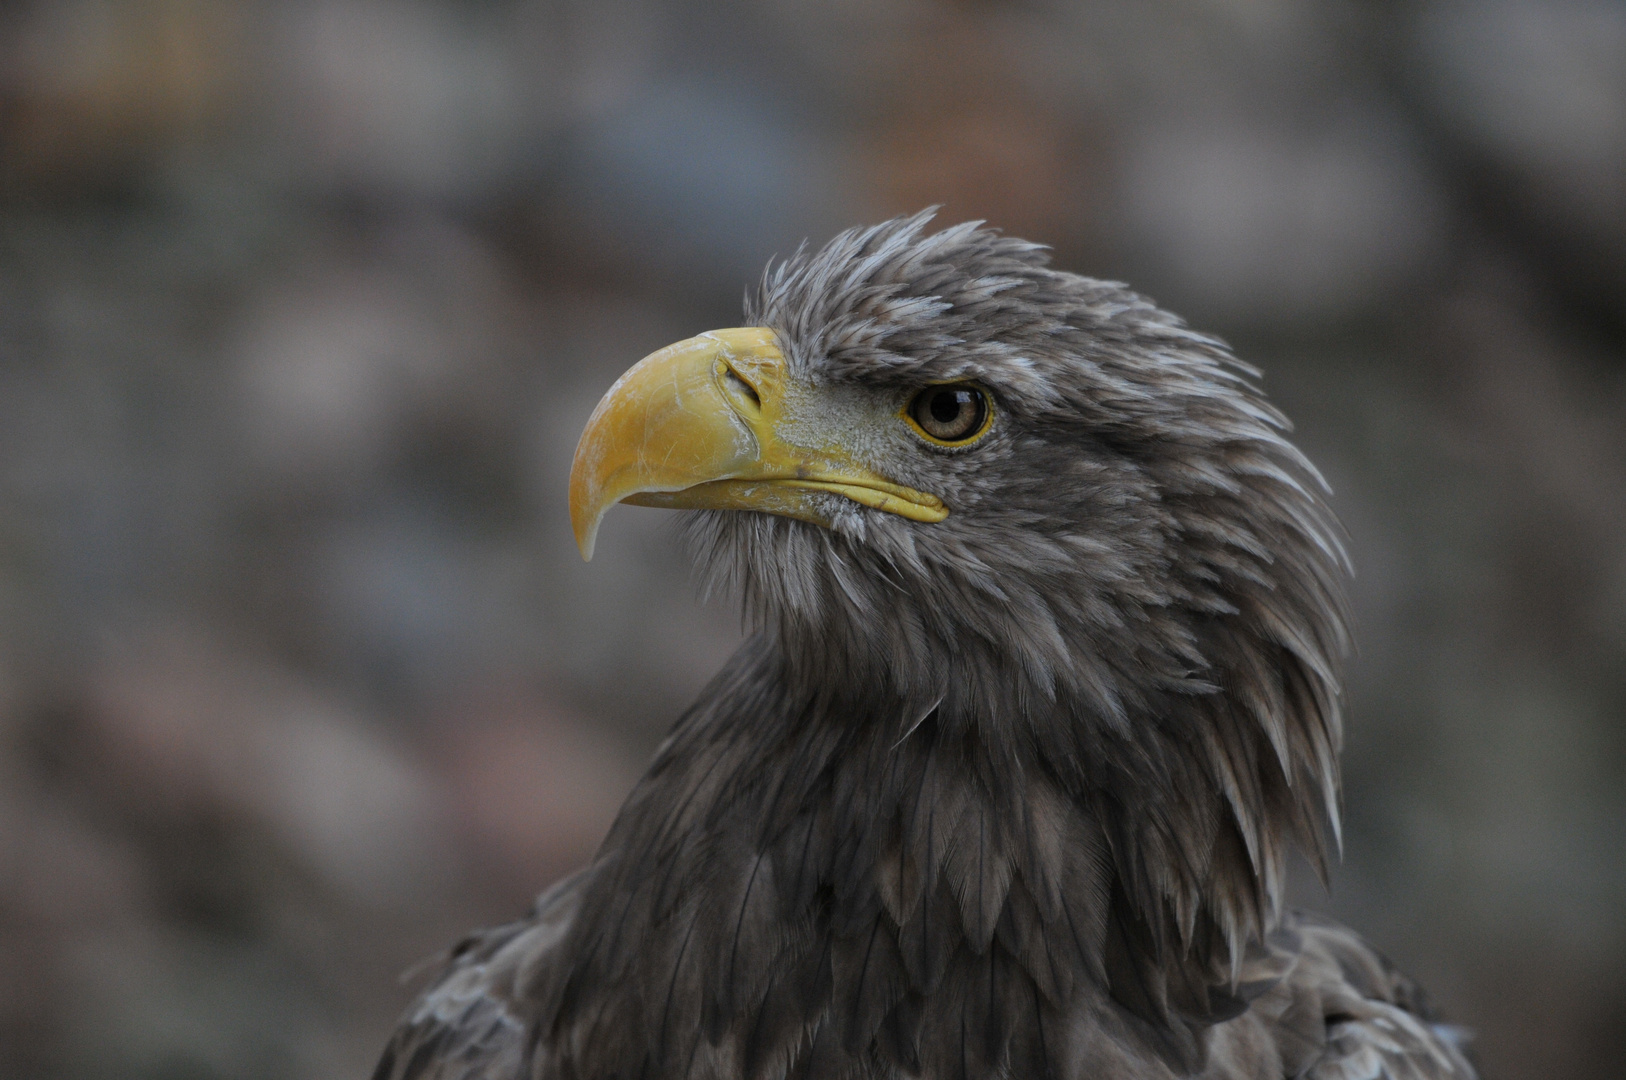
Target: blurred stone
(148, 1002)
(534, 784)
(1248, 223)
(1537, 89)
(963, 129)
(91, 93)
(187, 724)
(1542, 82)
(404, 98)
(59, 870)
(1009, 167)
(337, 363)
(700, 175)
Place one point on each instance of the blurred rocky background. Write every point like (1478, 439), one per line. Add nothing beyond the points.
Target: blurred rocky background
(303, 304)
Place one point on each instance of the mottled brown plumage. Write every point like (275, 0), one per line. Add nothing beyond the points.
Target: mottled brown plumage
(1008, 794)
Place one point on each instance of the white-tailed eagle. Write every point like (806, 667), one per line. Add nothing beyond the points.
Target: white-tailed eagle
(1044, 687)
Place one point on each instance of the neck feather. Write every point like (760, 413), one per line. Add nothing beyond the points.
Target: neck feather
(881, 851)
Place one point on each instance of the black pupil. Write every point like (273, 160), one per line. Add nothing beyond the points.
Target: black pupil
(947, 405)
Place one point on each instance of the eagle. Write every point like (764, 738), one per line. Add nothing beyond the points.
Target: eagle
(1043, 687)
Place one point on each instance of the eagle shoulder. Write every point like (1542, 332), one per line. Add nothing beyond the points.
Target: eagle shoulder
(471, 1022)
(1341, 1012)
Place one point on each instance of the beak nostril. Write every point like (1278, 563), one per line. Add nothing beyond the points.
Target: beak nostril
(737, 383)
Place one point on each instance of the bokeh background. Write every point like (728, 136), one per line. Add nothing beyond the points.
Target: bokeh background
(303, 305)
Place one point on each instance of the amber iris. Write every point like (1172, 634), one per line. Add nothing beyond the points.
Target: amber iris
(955, 413)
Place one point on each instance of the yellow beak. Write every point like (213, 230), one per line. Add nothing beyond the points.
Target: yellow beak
(703, 424)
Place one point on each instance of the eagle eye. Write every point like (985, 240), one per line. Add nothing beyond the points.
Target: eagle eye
(952, 414)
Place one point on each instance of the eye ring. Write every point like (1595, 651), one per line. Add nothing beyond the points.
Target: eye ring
(950, 414)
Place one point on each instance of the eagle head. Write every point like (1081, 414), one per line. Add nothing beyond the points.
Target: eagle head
(952, 482)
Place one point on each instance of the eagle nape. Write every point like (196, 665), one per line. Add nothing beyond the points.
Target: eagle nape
(1043, 689)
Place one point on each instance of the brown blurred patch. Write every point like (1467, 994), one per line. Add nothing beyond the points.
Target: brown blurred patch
(95, 89)
(188, 735)
(963, 132)
(536, 786)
